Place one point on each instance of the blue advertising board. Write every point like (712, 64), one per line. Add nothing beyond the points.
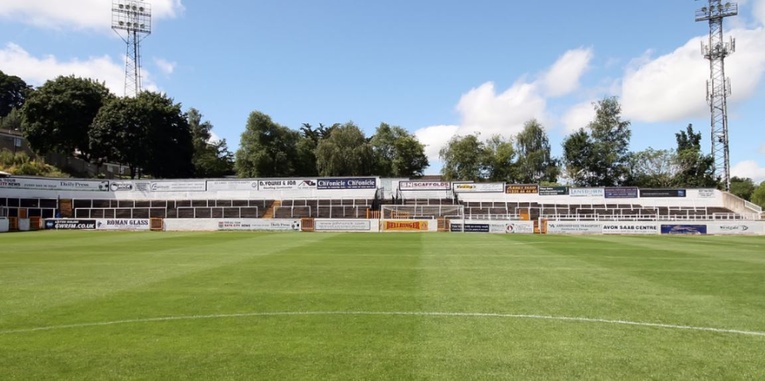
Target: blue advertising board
(683, 229)
(627, 192)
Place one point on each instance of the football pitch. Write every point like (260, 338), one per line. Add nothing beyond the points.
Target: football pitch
(403, 306)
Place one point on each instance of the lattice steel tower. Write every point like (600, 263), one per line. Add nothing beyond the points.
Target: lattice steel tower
(718, 86)
(131, 20)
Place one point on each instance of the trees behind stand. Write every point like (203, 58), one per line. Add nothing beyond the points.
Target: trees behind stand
(150, 133)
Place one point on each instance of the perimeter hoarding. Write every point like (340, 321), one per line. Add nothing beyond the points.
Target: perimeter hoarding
(178, 186)
(286, 184)
(522, 189)
(405, 225)
(683, 229)
(54, 184)
(259, 225)
(554, 227)
(553, 191)
(662, 192)
(620, 192)
(347, 183)
(333, 225)
(631, 228)
(586, 192)
(132, 224)
(424, 185)
(232, 185)
(479, 187)
(497, 227)
(69, 224)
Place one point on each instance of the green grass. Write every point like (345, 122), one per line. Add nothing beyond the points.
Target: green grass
(86, 306)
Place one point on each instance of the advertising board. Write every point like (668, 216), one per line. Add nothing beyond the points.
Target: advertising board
(424, 185)
(631, 228)
(347, 183)
(338, 225)
(521, 188)
(259, 225)
(405, 225)
(54, 184)
(683, 229)
(178, 186)
(121, 186)
(585, 192)
(232, 185)
(553, 191)
(469, 228)
(286, 184)
(620, 192)
(574, 227)
(736, 228)
(662, 192)
(499, 227)
(5, 224)
(69, 224)
(123, 224)
(479, 187)
(705, 193)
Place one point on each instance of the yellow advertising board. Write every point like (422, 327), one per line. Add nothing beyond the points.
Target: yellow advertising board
(405, 225)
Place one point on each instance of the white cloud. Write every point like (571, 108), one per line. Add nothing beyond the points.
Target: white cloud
(81, 14)
(563, 77)
(672, 87)
(749, 168)
(434, 138)
(36, 70)
(165, 66)
(578, 116)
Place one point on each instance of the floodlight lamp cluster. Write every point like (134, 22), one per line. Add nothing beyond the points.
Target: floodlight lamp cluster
(131, 15)
(717, 11)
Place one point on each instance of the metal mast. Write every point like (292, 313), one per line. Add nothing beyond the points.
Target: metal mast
(131, 20)
(718, 86)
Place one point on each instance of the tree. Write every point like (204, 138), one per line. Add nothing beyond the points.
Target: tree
(119, 134)
(694, 168)
(463, 158)
(13, 93)
(599, 155)
(758, 196)
(12, 121)
(57, 116)
(498, 159)
(267, 149)
(306, 148)
(211, 158)
(149, 132)
(345, 152)
(535, 163)
(652, 168)
(742, 187)
(578, 149)
(397, 153)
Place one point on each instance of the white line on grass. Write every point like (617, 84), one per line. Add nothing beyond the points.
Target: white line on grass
(385, 313)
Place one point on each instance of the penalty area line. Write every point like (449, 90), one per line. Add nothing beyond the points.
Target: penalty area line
(384, 313)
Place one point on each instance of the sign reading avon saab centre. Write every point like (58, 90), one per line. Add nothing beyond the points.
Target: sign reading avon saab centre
(405, 225)
(424, 185)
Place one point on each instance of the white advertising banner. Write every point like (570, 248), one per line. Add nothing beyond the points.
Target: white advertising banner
(123, 224)
(570, 227)
(178, 186)
(496, 227)
(337, 225)
(705, 193)
(631, 228)
(736, 228)
(229, 185)
(479, 187)
(424, 185)
(586, 192)
(4, 224)
(263, 224)
(286, 184)
(54, 184)
(121, 186)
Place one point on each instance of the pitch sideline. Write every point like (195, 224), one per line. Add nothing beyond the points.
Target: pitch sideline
(386, 313)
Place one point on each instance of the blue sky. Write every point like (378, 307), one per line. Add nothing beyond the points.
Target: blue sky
(436, 68)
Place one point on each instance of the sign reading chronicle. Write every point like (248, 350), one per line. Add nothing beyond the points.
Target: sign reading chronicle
(347, 183)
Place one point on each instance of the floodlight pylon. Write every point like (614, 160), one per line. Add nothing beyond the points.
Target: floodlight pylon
(131, 20)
